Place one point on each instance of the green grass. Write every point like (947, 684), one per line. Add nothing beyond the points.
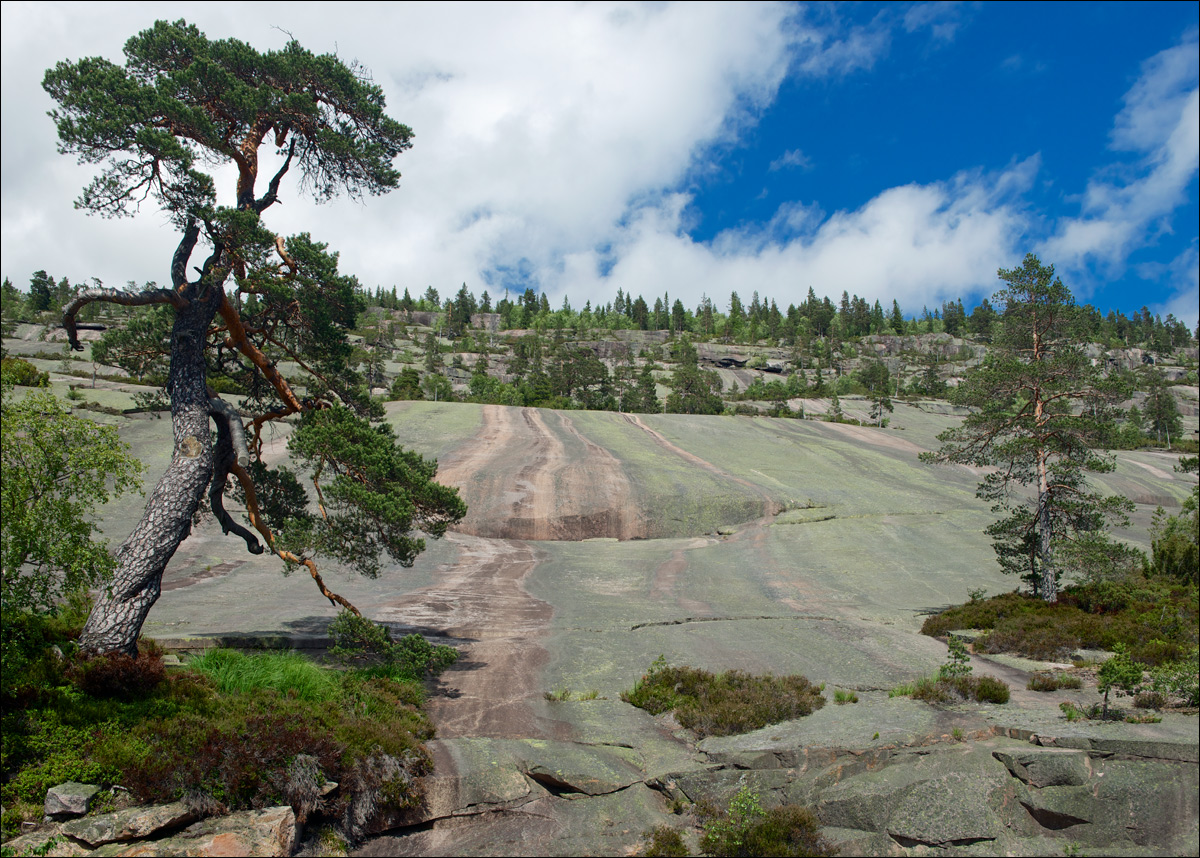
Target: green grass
(723, 704)
(230, 731)
(290, 673)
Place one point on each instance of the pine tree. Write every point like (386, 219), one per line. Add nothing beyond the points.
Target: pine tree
(180, 103)
(1030, 428)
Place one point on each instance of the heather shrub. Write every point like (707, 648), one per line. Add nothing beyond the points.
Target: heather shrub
(120, 675)
(665, 842)
(1053, 681)
(726, 703)
(746, 829)
(1155, 617)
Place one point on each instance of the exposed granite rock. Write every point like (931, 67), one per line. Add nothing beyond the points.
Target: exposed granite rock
(131, 824)
(70, 799)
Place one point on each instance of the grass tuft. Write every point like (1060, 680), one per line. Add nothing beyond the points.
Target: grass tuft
(288, 673)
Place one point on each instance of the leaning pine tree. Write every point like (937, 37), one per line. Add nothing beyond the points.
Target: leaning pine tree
(181, 102)
(1038, 409)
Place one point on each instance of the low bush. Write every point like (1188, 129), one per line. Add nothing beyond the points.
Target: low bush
(1157, 618)
(369, 647)
(1053, 681)
(1179, 681)
(746, 829)
(249, 730)
(726, 703)
(983, 689)
(665, 842)
(21, 372)
(119, 675)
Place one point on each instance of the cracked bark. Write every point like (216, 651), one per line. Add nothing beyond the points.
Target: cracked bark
(122, 606)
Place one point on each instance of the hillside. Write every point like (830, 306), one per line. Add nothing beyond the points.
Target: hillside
(597, 541)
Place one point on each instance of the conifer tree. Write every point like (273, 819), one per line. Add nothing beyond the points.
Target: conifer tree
(182, 102)
(1029, 427)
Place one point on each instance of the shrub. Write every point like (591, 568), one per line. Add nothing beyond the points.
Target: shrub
(1155, 617)
(746, 829)
(260, 742)
(1179, 679)
(990, 690)
(665, 842)
(983, 689)
(1053, 681)
(120, 675)
(357, 640)
(18, 371)
(1121, 672)
(723, 704)
(1150, 700)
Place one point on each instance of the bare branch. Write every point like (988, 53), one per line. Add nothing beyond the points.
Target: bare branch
(115, 296)
(272, 194)
(183, 253)
(230, 452)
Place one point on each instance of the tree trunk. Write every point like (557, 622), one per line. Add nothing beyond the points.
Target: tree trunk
(122, 606)
(1049, 583)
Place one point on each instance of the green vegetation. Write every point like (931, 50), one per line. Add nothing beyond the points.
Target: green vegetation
(953, 682)
(369, 646)
(746, 829)
(1025, 427)
(938, 689)
(55, 470)
(235, 672)
(228, 731)
(723, 704)
(280, 299)
(665, 842)
(1155, 617)
(1053, 682)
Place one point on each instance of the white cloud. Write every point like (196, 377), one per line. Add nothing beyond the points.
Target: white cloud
(943, 19)
(1126, 204)
(536, 126)
(917, 244)
(792, 158)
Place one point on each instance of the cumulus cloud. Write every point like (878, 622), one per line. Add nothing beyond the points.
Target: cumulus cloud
(555, 146)
(917, 244)
(1128, 202)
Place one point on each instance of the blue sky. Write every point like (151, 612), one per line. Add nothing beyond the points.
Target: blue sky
(891, 150)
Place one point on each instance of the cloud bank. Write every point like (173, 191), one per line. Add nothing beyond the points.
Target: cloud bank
(558, 145)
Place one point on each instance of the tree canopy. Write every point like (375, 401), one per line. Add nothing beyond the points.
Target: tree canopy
(1038, 407)
(182, 104)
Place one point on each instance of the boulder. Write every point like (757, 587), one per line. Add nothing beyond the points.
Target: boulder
(1047, 768)
(131, 824)
(70, 799)
(252, 833)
